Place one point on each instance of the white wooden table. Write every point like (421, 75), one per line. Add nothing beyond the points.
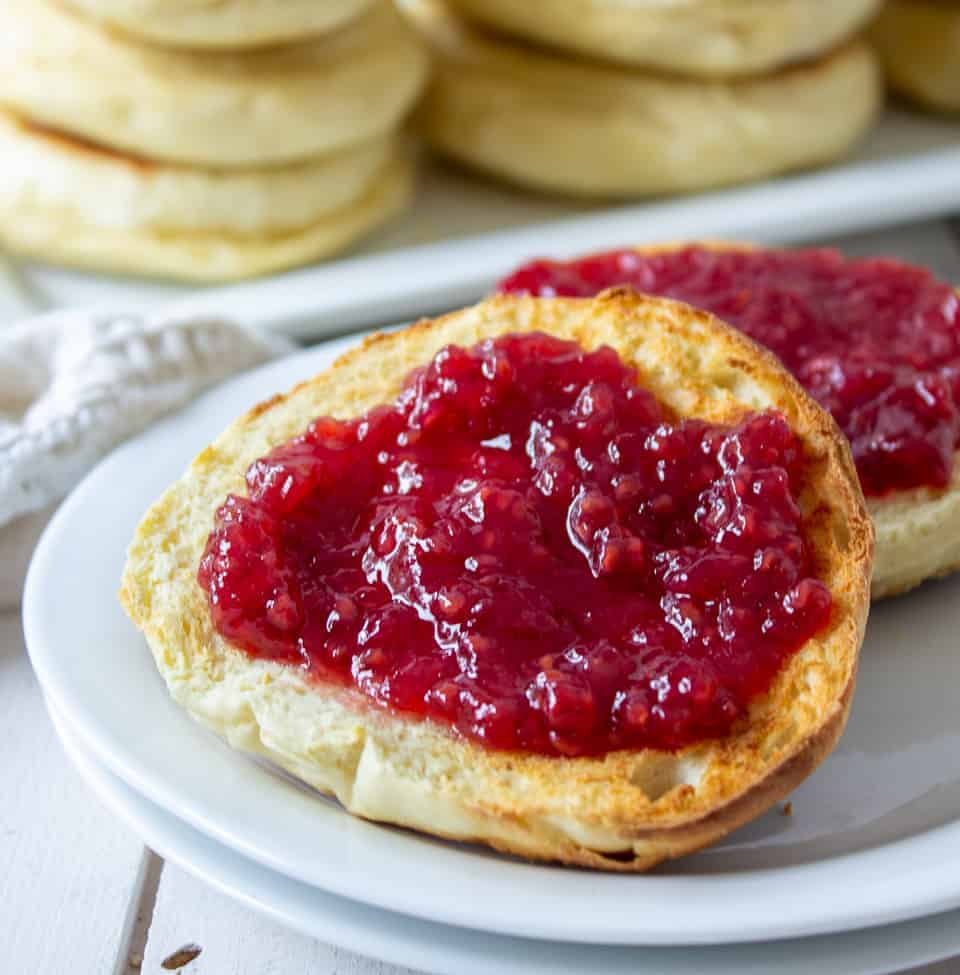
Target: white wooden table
(81, 895)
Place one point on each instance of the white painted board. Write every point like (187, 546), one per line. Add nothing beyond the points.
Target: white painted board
(234, 940)
(69, 872)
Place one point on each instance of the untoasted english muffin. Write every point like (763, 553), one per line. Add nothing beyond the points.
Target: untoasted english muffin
(919, 44)
(235, 24)
(74, 203)
(588, 129)
(626, 810)
(266, 107)
(44, 170)
(696, 37)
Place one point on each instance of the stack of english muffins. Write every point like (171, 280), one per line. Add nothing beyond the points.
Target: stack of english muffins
(611, 99)
(201, 141)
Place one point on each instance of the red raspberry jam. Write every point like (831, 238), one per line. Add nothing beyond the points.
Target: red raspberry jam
(527, 547)
(876, 342)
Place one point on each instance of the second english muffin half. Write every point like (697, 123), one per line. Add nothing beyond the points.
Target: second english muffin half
(875, 341)
(595, 130)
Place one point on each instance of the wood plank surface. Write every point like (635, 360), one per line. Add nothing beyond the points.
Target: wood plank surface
(234, 940)
(69, 871)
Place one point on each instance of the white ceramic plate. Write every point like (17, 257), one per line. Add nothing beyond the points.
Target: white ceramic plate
(873, 838)
(463, 233)
(438, 948)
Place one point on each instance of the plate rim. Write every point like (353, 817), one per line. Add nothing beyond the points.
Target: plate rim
(137, 811)
(119, 758)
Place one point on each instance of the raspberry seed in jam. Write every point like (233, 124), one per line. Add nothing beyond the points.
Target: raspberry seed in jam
(527, 547)
(876, 342)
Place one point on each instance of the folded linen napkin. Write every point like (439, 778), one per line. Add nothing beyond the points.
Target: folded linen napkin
(73, 384)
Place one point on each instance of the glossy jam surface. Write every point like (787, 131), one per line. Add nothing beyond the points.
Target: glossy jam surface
(876, 342)
(526, 547)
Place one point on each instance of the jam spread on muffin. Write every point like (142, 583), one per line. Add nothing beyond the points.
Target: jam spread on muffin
(527, 546)
(876, 342)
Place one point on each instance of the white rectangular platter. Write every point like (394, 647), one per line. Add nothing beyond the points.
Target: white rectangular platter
(463, 233)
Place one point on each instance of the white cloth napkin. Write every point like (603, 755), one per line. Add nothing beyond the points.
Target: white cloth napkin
(73, 384)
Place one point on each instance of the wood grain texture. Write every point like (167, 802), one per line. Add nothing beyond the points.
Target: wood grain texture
(235, 940)
(69, 871)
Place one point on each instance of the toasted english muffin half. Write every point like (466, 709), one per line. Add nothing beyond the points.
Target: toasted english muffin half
(69, 202)
(695, 37)
(627, 810)
(233, 24)
(919, 44)
(588, 129)
(220, 110)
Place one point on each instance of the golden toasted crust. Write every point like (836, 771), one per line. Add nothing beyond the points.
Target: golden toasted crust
(696, 37)
(917, 531)
(584, 128)
(919, 44)
(625, 811)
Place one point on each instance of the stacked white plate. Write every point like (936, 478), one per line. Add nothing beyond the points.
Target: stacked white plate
(860, 878)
